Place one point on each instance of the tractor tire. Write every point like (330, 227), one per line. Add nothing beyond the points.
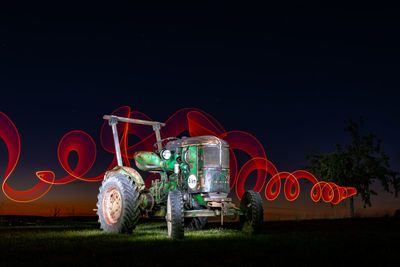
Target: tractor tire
(196, 223)
(174, 217)
(118, 204)
(253, 219)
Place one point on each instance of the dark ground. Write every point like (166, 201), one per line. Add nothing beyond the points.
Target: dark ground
(312, 243)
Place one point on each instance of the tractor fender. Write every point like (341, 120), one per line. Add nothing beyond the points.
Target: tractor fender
(131, 173)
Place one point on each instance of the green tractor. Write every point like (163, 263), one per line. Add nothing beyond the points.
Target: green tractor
(194, 184)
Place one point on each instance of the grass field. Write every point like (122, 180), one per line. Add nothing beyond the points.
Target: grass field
(312, 243)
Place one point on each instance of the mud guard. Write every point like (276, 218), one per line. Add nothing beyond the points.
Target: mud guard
(131, 173)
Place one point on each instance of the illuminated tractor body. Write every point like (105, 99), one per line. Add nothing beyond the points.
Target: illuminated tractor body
(194, 184)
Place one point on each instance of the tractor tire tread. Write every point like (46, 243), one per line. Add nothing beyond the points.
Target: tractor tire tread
(130, 204)
(257, 212)
(177, 215)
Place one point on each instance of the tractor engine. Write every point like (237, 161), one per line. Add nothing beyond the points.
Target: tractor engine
(198, 166)
(206, 160)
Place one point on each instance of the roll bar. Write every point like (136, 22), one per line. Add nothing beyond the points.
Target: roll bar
(113, 120)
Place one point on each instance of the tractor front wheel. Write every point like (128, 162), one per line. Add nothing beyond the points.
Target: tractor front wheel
(196, 223)
(118, 204)
(174, 217)
(253, 218)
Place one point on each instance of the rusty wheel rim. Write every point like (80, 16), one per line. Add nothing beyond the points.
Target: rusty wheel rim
(112, 205)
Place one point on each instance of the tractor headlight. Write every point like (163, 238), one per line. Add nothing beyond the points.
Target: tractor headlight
(166, 154)
(192, 181)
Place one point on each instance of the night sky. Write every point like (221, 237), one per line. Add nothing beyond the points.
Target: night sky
(290, 77)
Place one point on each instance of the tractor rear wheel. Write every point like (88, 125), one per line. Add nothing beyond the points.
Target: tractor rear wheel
(118, 204)
(253, 218)
(174, 217)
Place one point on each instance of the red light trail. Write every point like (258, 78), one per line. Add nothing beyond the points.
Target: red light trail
(197, 122)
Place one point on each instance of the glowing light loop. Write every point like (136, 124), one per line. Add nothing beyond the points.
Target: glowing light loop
(196, 122)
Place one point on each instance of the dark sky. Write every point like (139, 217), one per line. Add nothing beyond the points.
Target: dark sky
(289, 76)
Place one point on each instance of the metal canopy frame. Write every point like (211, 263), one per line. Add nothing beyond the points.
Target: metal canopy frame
(113, 121)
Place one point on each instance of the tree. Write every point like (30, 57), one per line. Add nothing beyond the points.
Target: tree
(55, 211)
(358, 164)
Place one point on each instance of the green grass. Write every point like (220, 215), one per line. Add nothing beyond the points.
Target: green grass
(312, 243)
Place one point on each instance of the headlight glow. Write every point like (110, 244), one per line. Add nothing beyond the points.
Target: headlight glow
(166, 154)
